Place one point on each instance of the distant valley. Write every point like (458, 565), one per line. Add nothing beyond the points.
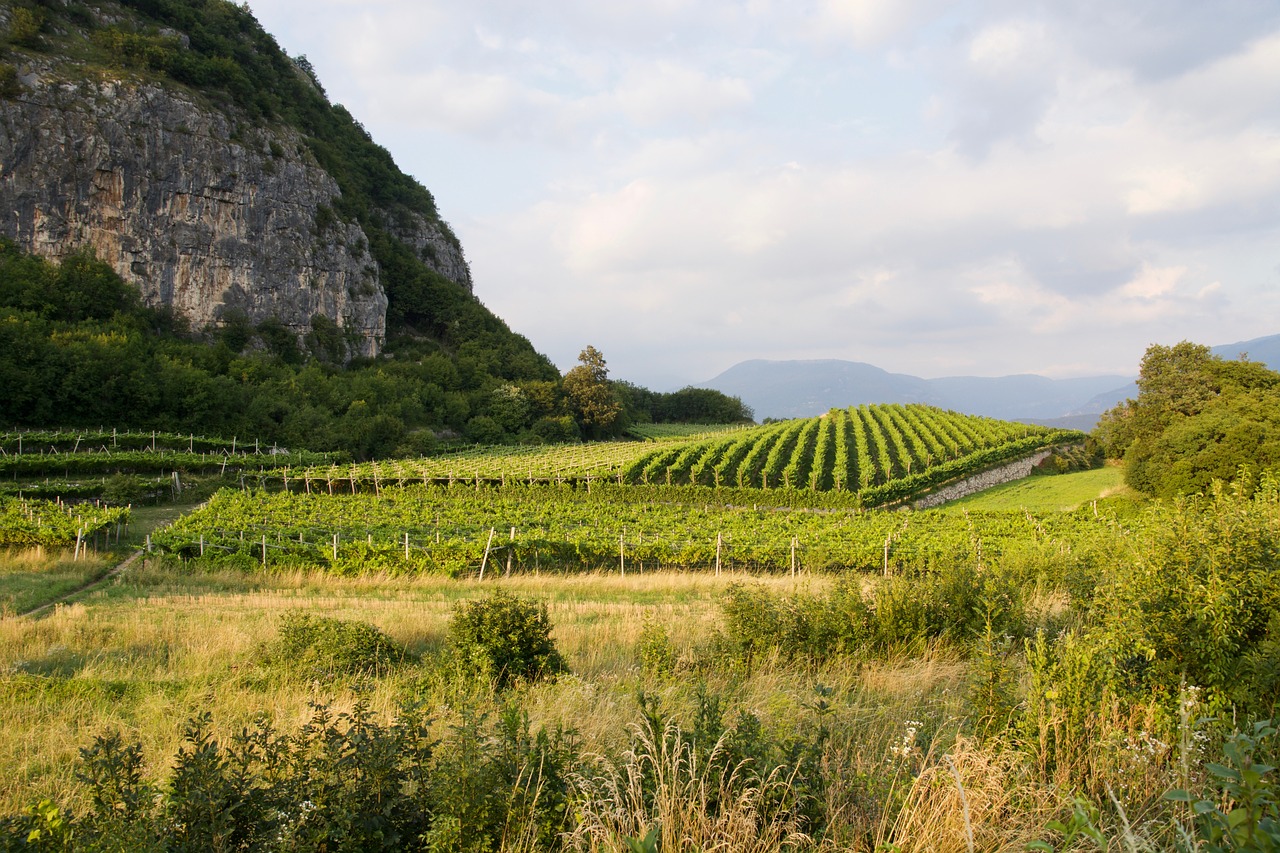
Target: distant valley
(793, 389)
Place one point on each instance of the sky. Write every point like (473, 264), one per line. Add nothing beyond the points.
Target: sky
(937, 188)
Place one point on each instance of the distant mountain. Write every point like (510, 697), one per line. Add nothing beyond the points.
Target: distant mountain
(799, 389)
(1264, 350)
(791, 389)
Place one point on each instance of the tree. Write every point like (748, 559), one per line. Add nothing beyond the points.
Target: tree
(590, 394)
(1197, 417)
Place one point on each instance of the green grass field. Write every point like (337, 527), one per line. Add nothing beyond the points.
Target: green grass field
(1058, 493)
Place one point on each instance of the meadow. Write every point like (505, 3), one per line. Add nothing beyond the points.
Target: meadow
(1041, 693)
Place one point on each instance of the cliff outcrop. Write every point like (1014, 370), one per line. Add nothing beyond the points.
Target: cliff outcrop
(202, 210)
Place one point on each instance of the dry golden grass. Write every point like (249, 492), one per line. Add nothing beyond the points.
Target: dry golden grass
(145, 663)
(616, 802)
(973, 798)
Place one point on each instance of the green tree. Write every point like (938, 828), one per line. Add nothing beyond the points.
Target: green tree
(590, 394)
(1197, 417)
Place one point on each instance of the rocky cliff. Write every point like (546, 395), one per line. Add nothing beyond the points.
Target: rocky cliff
(203, 210)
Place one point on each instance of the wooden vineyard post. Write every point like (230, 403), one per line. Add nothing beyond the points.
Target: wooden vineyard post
(887, 540)
(201, 544)
(335, 547)
(406, 545)
(622, 555)
(794, 542)
(511, 550)
(719, 543)
(484, 562)
(264, 550)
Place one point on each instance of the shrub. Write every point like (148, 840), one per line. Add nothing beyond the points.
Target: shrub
(656, 652)
(1241, 811)
(806, 627)
(125, 489)
(1192, 599)
(10, 84)
(505, 638)
(322, 647)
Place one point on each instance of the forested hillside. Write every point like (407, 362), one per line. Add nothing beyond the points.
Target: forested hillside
(78, 349)
(326, 243)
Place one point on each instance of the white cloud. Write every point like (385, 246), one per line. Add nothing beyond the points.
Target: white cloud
(658, 92)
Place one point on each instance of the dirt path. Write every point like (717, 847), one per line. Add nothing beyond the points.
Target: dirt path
(101, 580)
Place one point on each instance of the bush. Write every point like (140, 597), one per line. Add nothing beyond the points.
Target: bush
(505, 638)
(123, 489)
(1193, 599)
(656, 652)
(803, 627)
(321, 647)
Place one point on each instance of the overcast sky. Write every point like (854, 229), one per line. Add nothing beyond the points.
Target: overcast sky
(936, 188)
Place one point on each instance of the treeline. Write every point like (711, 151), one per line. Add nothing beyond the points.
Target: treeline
(1197, 418)
(78, 349)
(686, 406)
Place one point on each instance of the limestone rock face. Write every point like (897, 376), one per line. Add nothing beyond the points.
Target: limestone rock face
(201, 211)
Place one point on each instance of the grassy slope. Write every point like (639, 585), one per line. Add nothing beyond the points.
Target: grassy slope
(1064, 492)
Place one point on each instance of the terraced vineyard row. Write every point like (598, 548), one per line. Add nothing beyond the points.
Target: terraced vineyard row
(524, 464)
(146, 461)
(76, 465)
(75, 441)
(559, 528)
(851, 449)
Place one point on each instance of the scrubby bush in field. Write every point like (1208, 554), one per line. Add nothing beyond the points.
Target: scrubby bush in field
(322, 647)
(1184, 612)
(656, 651)
(956, 604)
(505, 638)
(758, 623)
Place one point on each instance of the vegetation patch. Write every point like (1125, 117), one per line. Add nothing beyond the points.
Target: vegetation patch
(505, 639)
(320, 647)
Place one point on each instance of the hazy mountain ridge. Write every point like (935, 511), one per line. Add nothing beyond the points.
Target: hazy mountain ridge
(804, 388)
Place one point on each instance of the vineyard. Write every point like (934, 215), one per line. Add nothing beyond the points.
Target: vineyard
(526, 529)
(77, 464)
(880, 453)
(28, 523)
(779, 497)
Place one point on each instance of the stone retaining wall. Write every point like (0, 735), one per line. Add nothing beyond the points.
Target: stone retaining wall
(994, 477)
